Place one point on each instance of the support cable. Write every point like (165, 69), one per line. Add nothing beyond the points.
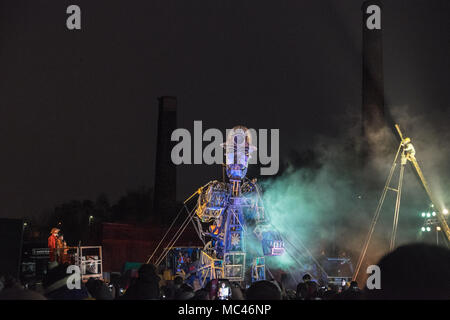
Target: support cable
(397, 208)
(176, 237)
(167, 232)
(199, 191)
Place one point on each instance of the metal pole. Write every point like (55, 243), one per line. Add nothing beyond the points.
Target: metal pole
(397, 208)
(376, 215)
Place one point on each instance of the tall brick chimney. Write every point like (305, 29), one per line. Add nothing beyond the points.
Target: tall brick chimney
(165, 174)
(372, 68)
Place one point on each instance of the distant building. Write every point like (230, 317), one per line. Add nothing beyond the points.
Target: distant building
(123, 242)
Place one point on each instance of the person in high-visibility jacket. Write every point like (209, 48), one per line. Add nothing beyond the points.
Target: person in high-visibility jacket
(52, 243)
(62, 249)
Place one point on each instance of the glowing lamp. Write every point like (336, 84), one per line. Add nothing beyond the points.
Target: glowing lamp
(445, 211)
(423, 229)
(428, 229)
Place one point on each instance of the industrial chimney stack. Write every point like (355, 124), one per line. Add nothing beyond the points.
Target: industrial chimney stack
(372, 68)
(165, 174)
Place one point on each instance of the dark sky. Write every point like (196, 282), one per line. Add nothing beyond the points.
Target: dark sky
(78, 109)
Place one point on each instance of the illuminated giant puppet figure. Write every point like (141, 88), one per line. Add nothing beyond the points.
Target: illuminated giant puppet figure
(230, 216)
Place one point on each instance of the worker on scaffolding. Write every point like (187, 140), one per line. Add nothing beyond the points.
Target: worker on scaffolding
(408, 150)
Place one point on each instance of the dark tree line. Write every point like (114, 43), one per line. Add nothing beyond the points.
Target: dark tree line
(80, 220)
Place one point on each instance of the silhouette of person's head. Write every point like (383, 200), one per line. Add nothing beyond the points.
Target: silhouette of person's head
(306, 277)
(178, 281)
(263, 290)
(147, 272)
(414, 271)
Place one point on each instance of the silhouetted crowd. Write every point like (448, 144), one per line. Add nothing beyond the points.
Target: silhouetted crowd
(416, 271)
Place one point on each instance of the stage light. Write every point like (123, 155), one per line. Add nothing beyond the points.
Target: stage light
(445, 211)
(438, 228)
(423, 229)
(423, 214)
(433, 214)
(428, 215)
(428, 229)
(432, 205)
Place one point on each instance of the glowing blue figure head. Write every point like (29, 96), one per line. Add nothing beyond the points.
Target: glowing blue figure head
(237, 152)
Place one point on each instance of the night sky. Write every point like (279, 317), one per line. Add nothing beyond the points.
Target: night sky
(78, 109)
